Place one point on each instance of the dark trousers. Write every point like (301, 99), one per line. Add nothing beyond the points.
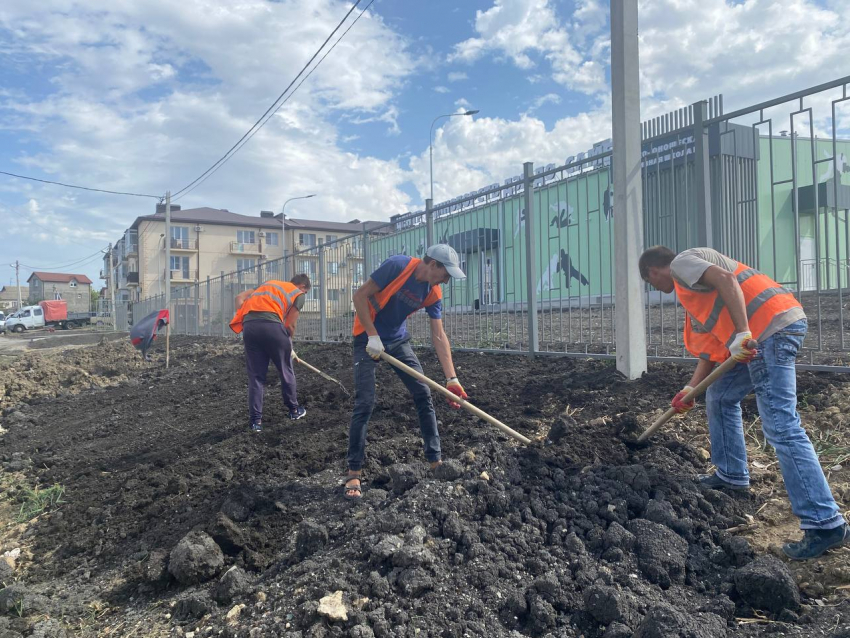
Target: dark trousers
(268, 341)
(364, 402)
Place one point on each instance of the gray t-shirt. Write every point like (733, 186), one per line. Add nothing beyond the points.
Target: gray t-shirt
(690, 265)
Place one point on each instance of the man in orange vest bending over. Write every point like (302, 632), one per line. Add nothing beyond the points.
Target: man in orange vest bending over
(398, 288)
(268, 316)
(728, 307)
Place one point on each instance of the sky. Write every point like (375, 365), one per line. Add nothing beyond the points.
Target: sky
(143, 97)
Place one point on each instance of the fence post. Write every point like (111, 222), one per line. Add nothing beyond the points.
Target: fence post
(221, 305)
(323, 296)
(429, 222)
(285, 266)
(630, 341)
(702, 178)
(530, 257)
(197, 308)
(209, 308)
(367, 258)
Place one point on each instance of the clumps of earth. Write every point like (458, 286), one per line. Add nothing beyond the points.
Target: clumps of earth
(180, 521)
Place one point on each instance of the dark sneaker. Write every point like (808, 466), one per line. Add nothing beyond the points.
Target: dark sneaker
(297, 413)
(256, 427)
(816, 541)
(714, 482)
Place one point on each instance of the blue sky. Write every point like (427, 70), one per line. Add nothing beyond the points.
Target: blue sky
(124, 95)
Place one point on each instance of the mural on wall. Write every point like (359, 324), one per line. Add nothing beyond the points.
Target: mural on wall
(563, 215)
(561, 264)
(565, 265)
(842, 166)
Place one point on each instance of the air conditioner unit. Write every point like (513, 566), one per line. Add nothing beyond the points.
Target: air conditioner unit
(198, 229)
(261, 234)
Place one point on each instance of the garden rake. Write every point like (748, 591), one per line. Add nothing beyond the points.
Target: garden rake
(321, 374)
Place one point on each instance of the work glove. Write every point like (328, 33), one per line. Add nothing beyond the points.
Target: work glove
(293, 356)
(375, 347)
(454, 386)
(681, 406)
(740, 348)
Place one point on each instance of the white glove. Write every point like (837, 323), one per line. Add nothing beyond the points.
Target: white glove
(740, 350)
(293, 356)
(375, 347)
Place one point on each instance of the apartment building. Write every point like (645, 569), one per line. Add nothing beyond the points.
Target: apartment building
(206, 242)
(74, 289)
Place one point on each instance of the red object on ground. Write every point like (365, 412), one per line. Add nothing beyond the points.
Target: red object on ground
(56, 310)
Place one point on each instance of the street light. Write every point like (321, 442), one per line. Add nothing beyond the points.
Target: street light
(431, 147)
(283, 225)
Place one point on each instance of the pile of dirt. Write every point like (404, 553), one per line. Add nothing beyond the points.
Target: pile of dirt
(177, 518)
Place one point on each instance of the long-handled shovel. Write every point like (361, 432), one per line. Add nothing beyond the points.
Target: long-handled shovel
(702, 386)
(321, 374)
(466, 405)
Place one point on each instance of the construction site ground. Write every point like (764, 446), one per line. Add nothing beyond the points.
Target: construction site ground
(137, 502)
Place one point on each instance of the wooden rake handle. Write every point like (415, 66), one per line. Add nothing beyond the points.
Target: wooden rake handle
(466, 405)
(321, 374)
(701, 387)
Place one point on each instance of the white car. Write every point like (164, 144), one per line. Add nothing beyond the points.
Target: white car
(2, 323)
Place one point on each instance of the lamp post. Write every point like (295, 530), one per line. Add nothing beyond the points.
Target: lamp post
(431, 146)
(283, 226)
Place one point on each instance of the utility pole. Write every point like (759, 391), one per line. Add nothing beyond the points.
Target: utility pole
(167, 250)
(628, 194)
(18, 282)
(114, 312)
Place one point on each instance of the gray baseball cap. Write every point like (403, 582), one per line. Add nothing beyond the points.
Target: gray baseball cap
(447, 256)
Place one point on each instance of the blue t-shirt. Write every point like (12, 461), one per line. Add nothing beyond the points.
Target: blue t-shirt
(391, 322)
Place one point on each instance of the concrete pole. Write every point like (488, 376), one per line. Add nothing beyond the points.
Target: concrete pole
(18, 281)
(530, 258)
(112, 281)
(702, 177)
(628, 195)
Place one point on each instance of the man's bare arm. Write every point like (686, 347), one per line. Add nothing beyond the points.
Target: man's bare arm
(362, 305)
(444, 349)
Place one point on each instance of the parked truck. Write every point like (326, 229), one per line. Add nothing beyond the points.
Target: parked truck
(49, 314)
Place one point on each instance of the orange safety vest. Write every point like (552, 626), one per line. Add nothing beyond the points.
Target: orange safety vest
(709, 330)
(273, 296)
(382, 298)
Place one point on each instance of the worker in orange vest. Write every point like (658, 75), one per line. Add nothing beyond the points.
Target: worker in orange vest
(734, 310)
(399, 287)
(268, 316)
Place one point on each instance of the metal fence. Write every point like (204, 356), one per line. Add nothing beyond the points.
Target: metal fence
(538, 249)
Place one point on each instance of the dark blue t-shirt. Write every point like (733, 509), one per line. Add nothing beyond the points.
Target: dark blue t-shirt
(391, 322)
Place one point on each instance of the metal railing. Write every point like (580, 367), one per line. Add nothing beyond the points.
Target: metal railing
(538, 249)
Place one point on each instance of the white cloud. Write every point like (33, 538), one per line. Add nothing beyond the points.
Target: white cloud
(145, 96)
(525, 30)
(549, 98)
(441, 89)
(457, 76)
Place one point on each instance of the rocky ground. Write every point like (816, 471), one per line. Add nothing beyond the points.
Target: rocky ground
(136, 502)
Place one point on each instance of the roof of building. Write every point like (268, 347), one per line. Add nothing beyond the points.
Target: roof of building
(224, 217)
(11, 292)
(59, 278)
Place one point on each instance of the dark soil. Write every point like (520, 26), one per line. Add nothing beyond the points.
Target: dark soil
(580, 534)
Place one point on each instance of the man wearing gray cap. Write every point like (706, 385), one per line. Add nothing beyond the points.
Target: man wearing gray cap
(398, 288)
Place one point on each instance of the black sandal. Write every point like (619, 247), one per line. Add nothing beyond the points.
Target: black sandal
(358, 489)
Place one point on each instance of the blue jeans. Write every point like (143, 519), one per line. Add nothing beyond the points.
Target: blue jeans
(773, 376)
(364, 402)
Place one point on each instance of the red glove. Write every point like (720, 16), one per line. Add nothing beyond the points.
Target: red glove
(454, 386)
(681, 406)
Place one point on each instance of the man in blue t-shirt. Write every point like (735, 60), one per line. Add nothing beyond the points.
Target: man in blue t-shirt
(398, 288)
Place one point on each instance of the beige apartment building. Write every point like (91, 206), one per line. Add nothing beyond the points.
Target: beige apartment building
(206, 242)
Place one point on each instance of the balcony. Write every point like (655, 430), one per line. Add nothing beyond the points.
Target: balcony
(181, 276)
(132, 278)
(240, 248)
(132, 250)
(184, 244)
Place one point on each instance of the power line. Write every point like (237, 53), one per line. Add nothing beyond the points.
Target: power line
(233, 149)
(276, 109)
(91, 257)
(82, 188)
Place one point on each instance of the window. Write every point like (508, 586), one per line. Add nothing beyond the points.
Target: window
(307, 266)
(358, 274)
(307, 239)
(330, 239)
(272, 239)
(245, 264)
(333, 267)
(72, 284)
(180, 237)
(333, 294)
(245, 236)
(79, 295)
(26, 313)
(180, 266)
(37, 312)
